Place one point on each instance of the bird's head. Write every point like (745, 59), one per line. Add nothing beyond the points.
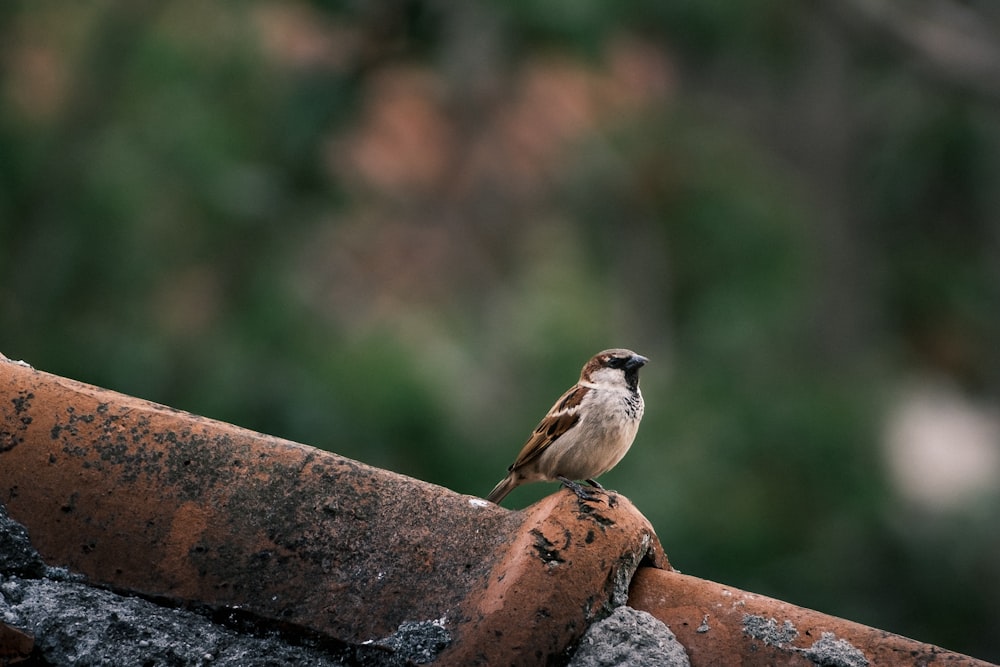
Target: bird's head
(614, 368)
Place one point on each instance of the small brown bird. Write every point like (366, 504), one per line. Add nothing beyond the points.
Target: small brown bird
(587, 431)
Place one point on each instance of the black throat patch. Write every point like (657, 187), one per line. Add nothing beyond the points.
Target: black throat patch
(632, 378)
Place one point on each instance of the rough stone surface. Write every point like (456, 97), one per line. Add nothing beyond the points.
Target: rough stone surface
(75, 624)
(768, 630)
(828, 651)
(415, 643)
(17, 556)
(629, 637)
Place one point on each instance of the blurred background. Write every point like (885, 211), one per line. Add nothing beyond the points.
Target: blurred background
(397, 229)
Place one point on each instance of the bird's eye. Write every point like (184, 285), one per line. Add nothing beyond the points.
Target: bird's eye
(616, 362)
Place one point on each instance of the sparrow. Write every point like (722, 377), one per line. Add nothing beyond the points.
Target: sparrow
(588, 430)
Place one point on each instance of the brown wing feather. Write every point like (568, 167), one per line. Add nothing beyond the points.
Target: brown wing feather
(562, 417)
(571, 399)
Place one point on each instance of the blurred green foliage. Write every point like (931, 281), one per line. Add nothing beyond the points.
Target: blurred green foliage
(396, 230)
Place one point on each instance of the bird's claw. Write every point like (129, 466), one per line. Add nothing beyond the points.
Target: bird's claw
(581, 493)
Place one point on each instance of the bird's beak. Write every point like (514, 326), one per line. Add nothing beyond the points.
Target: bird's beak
(637, 361)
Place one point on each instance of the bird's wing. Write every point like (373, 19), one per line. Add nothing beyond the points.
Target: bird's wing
(562, 417)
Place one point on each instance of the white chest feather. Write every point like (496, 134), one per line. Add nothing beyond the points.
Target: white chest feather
(609, 420)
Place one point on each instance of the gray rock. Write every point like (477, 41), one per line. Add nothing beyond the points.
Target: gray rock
(629, 637)
(76, 624)
(769, 631)
(413, 643)
(17, 555)
(828, 651)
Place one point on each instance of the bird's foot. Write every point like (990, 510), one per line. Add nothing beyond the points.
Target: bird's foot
(577, 488)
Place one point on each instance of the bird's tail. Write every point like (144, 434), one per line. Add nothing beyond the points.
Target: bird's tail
(501, 490)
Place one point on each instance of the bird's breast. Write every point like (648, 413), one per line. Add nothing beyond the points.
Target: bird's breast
(607, 426)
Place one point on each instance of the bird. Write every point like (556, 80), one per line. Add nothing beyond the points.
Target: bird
(587, 431)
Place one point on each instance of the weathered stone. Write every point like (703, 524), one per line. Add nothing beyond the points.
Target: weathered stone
(76, 624)
(629, 637)
(17, 556)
